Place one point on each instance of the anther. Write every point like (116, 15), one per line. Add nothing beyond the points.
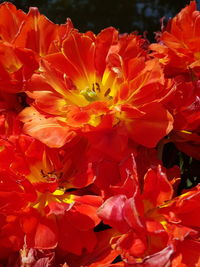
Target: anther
(107, 92)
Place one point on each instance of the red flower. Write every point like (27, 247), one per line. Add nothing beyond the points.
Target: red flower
(179, 49)
(46, 216)
(81, 92)
(16, 67)
(33, 30)
(11, 19)
(149, 223)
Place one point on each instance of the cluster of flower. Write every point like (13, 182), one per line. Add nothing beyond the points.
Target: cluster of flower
(84, 119)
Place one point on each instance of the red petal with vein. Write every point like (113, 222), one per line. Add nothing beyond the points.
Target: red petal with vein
(162, 258)
(185, 207)
(133, 212)
(132, 245)
(46, 236)
(147, 130)
(157, 189)
(10, 20)
(16, 66)
(80, 51)
(48, 130)
(104, 40)
(37, 33)
(86, 207)
(112, 212)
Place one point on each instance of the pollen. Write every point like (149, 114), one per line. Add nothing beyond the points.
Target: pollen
(89, 94)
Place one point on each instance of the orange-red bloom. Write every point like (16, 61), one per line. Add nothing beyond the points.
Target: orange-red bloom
(152, 226)
(178, 53)
(83, 122)
(179, 49)
(78, 91)
(33, 30)
(32, 177)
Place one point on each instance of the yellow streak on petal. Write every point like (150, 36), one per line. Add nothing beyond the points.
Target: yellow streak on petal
(58, 192)
(163, 61)
(183, 131)
(69, 199)
(138, 260)
(35, 175)
(164, 224)
(94, 120)
(2, 148)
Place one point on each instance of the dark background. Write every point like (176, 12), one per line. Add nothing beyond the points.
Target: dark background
(125, 15)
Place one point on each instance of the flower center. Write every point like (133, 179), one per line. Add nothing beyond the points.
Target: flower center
(96, 93)
(50, 177)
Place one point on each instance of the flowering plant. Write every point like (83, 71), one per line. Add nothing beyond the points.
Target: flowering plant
(85, 120)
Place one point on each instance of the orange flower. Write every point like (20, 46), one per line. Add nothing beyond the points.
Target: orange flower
(11, 20)
(152, 225)
(91, 87)
(31, 176)
(178, 53)
(40, 34)
(179, 49)
(33, 30)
